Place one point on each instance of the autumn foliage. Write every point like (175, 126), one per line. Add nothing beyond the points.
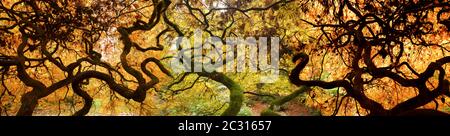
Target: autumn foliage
(337, 57)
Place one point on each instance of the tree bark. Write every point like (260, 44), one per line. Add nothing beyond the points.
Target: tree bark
(236, 92)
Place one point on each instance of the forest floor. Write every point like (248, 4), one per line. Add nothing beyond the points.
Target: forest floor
(291, 109)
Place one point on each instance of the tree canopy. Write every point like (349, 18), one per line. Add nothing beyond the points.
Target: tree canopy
(113, 57)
